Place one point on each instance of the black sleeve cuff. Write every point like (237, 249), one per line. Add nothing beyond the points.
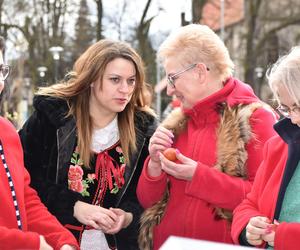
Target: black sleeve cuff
(243, 240)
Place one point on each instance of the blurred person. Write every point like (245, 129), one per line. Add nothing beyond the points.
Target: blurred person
(269, 216)
(86, 142)
(218, 132)
(25, 222)
(174, 103)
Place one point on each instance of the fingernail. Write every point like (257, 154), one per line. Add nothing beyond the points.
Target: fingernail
(177, 151)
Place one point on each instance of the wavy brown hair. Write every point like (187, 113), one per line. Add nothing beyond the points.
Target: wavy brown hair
(76, 91)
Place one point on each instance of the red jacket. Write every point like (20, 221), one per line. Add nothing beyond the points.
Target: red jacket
(190, 209)
(35, 218)
(266, 196)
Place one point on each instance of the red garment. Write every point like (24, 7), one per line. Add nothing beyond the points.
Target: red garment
(190, 209)
(35, 218)
(262, 199)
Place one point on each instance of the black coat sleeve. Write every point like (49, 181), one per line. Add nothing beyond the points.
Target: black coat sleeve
(38, 139)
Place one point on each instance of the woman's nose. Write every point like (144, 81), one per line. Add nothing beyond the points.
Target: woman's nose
(170, 90)
(124, 86)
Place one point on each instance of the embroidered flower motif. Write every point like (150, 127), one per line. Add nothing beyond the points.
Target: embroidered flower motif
(119, 173)
(91, 176)
(119, 150)
(75, 176)
(76, 186)
(75, 173)
(114, 179)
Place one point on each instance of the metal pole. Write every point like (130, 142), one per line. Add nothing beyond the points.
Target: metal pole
(222, 10)
(55, 70)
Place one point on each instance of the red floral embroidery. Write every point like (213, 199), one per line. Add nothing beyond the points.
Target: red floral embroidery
(76, 186)
(91, 176)
(119, 150)
(75, 173)
(75, 178)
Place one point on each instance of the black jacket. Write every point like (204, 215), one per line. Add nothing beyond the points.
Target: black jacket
(48, 138)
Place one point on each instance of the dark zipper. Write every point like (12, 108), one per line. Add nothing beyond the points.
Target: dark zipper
(129, 180)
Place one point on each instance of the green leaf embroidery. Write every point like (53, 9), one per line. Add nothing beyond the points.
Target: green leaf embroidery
(73, 161)
(115, 189)
(121, 159)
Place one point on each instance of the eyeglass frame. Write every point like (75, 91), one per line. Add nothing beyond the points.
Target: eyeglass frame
(171, 78)
(286, 111)
(4, 77)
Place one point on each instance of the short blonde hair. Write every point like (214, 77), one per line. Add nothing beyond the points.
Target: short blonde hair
(198, 43)
(286, 72)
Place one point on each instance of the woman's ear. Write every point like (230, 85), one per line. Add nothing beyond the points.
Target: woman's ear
(202, 72)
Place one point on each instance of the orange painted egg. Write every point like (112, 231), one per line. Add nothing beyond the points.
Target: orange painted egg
(170, 154)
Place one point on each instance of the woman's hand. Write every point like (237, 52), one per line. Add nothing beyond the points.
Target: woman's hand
(124, 219)
(257, 230)
(95, 216)
(269, 237)
(184, 170)
(43, 244)
(160, 140)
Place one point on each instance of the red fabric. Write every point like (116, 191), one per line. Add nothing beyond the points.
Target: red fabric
(190, 211)
(261, 201)
(107, 172)
(36, 219)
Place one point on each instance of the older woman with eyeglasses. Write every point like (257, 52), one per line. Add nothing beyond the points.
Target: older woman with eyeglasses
(219, 133)
(270, 215)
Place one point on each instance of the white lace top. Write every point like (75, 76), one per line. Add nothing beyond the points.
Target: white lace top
(105, 137)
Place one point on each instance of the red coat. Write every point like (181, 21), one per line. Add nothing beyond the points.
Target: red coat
(35, 218)
(190, 209)
(272, 178)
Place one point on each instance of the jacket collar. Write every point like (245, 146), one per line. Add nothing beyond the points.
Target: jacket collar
(288, 131)
(233, 93)
(204, 107)
(56, 109)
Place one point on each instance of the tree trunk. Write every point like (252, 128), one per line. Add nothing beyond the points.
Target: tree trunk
(197, 9)
(99, 19)
(252, 8)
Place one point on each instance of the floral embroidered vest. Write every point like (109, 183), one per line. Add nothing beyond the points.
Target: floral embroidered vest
(99, 183)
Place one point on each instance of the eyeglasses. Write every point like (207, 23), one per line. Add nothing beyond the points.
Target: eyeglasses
(171, 78)
(286, 111)
(4, 71)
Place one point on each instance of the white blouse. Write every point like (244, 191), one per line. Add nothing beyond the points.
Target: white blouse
(101, 139)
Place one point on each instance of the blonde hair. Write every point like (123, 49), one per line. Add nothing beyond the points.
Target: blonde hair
(286, 72)
(76, 91)
(198, 43)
